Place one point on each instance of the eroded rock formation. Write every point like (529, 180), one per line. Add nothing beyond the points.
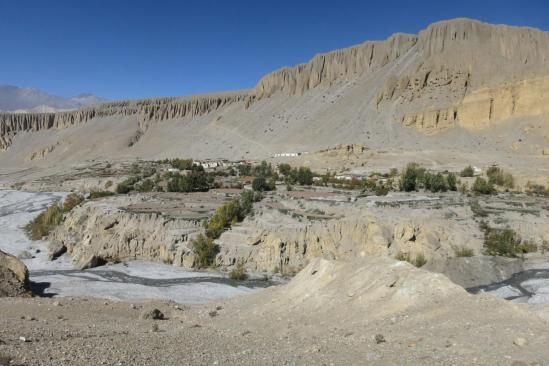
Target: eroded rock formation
(457, 72)
(331, 66)
(147, 111)
(93, 234)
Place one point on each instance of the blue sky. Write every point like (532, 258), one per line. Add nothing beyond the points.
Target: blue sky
(132, 49)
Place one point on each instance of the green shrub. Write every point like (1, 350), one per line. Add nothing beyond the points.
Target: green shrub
(481, 186)
(71, 201)
(435, 182)
(205, 251)
(182, 164)
(126, 186)
(463, 252)
(44, 223)
(99, 194)
(239, 272)
(500, 178)
(148, 172)
(451, 179)
(419, 261)
(260, 184)
(146, 185)
(506, 243)
(528, 247)
(467, 172)
(381, 190)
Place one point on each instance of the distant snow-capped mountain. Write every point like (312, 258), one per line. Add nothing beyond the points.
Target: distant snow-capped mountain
(23, 100)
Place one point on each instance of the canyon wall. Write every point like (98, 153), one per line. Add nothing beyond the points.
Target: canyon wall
(328, 67)
(147, 111)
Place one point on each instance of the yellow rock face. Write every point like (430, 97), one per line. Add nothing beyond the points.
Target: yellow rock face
(485, 107)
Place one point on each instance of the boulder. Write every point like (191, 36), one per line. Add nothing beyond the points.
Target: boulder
(152, 314)
(56, 249)
(14, 276)
(91, 261)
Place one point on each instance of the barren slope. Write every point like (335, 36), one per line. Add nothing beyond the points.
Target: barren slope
(329, 314)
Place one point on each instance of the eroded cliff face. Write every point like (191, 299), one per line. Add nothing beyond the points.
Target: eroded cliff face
(328, 67)
(454, 73)
(290, 246)
(147, 111)
(472, 74)
(95, 233)
(99, 232)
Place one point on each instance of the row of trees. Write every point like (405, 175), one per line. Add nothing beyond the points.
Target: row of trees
(415, 177)
(195, 181)
(222, 219)
(292, 175)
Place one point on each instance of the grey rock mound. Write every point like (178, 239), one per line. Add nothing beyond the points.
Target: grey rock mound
(14, 276)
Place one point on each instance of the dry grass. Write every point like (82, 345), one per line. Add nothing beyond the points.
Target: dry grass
(44, 223)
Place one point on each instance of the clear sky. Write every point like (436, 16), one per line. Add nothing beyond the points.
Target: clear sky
(131, 49)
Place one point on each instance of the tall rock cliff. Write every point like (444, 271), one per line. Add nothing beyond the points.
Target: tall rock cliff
(470, 73)
(331, 66)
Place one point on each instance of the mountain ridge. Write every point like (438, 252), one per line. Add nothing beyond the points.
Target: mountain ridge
(25, 99)
(453, 82)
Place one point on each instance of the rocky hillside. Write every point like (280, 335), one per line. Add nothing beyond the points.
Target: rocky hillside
(457, 84)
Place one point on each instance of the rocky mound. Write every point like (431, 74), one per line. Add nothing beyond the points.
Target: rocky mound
(14, 276)
(382, 310)
(377, 286)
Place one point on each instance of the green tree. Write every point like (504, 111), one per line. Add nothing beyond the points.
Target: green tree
(411, 177)
(284, 169)
(205, 251)
(304, 176)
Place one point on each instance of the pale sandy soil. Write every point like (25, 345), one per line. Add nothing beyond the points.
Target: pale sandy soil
(329, 315)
